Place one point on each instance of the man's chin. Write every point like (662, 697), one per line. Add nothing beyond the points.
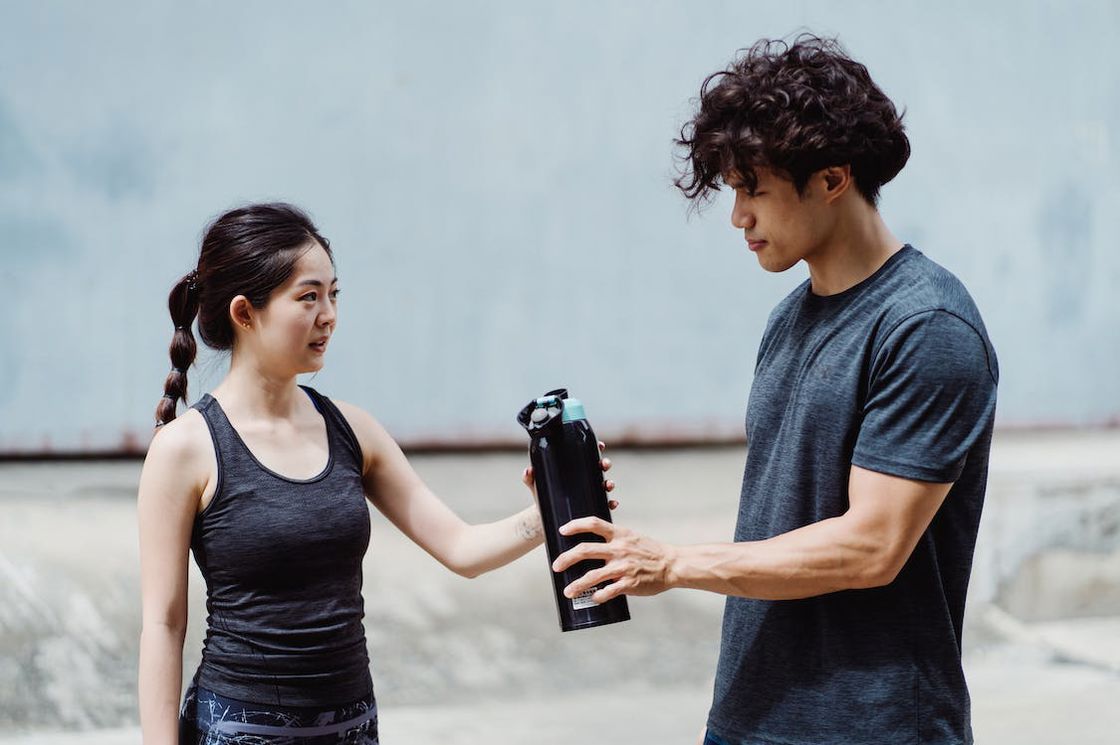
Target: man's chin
(773, 265)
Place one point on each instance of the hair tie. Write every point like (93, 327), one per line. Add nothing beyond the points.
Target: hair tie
(179, 370)
(169, 397)
(192, 280)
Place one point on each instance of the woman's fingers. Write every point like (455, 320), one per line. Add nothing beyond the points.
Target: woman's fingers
(527, 476)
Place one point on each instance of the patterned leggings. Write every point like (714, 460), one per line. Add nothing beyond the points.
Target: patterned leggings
(210, 719)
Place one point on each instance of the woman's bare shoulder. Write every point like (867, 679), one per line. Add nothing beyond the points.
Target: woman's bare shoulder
(182, 445)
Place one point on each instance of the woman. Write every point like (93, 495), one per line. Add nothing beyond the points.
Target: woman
(266, 482)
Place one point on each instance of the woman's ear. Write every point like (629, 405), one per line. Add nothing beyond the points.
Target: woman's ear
(241, 312)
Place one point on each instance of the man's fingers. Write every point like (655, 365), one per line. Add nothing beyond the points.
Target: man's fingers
(582, 552)
(616, 586)
(595, 525)
(611, 591)
(613, 504)
(605, 464)
(589, 580)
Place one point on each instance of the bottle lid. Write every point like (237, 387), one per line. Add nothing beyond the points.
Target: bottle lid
(573, 410)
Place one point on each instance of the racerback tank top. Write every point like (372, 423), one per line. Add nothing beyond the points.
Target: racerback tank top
(282, 561)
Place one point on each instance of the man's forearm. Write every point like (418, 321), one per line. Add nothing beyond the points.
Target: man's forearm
(824, 557)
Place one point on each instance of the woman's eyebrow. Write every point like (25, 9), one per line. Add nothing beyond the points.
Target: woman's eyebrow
(314, 282)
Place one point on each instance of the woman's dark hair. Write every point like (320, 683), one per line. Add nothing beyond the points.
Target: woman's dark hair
(795, 108)
(247, 251)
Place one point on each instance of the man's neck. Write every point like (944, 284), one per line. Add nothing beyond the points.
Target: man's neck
(859, 246)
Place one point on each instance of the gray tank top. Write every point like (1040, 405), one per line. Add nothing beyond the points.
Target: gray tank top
(282, 560)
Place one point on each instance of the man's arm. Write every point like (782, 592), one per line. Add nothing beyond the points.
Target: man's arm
(865, 547)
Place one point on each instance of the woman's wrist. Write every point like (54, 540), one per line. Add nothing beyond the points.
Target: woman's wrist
(528, 525)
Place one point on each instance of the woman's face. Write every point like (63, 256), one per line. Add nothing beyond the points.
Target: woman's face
(292, 331)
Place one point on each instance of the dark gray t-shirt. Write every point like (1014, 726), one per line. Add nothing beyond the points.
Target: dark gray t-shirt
(894, 375)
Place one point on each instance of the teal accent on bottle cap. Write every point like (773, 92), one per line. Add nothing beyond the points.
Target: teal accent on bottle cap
(573, 410)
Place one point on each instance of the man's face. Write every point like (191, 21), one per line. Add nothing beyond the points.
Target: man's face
(781, 226)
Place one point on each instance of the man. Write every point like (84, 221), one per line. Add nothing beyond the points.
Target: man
(869, 425)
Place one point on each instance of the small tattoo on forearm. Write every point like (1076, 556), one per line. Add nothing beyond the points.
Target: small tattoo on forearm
(529, 527)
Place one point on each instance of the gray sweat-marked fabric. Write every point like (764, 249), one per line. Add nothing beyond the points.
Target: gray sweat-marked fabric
(282, 560)
(894, 375)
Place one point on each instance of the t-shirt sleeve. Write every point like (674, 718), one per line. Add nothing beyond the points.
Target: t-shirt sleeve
(931, 395)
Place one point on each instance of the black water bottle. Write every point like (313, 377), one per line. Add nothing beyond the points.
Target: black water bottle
(569, 482)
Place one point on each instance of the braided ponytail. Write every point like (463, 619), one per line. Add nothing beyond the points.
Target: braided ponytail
(183, 304)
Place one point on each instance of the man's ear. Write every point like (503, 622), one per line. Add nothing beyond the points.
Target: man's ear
(836, 181)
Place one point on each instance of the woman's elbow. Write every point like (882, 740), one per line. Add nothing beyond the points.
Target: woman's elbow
(175, 630)
(171, 620)
(466, 569)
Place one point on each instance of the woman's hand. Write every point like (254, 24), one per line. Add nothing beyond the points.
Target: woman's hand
(604, 463)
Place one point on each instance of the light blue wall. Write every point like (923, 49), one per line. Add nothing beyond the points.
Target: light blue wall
(496, 180)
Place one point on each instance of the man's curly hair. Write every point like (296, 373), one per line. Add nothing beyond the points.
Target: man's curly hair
(795, 108)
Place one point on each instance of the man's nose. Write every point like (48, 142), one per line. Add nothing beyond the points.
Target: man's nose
(742, 216)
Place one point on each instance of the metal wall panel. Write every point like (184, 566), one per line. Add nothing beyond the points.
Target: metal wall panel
(496, 180)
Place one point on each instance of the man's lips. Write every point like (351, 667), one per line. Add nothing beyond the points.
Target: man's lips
(755, 245)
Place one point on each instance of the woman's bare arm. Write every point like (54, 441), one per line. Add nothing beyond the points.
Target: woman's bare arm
(175, 475)
(401, 495)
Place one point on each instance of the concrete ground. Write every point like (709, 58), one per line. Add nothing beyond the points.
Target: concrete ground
(465, 661)
(1016, 701)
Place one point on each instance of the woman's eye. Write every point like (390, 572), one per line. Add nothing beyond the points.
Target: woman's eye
(310, 296)
(334, 294)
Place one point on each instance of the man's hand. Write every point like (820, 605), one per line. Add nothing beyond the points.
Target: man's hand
(635, 564)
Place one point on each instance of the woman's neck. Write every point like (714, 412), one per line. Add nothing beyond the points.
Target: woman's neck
(254, 391)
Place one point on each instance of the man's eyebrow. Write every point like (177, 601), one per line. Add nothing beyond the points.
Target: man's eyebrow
(314, 282)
